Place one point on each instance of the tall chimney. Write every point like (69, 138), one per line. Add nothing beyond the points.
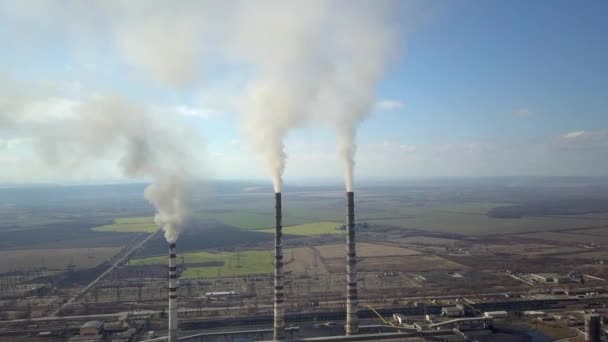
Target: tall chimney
(279, 304)
(352, 301)
(172, 294)
(593, 327)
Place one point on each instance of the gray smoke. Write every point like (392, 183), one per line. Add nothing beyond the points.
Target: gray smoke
(152, 146)
(148, 143)
(313, 62)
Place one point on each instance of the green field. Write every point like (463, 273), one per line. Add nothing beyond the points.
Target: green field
(252, 220)
(130, 225)
(309, 229)
(247, 262)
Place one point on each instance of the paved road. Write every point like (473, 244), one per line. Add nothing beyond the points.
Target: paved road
(114, 265)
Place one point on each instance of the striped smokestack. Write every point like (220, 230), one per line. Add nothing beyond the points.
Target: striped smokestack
(352, 301)
(172, 294)
(279, 304)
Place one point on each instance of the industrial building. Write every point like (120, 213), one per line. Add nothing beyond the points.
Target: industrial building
(551, 278)
(92, 331)
(453, 311)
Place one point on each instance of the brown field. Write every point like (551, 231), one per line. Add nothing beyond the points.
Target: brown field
(412, 263)
(529, 249)
(302, 260)
(55, 258)
(365, 250)
(409, 264)
(589, 255)
(596, 231)
(426, 240)
(565, 237)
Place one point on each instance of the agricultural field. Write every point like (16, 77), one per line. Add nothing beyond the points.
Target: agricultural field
(588, 255)
(251, 220)
(213, 264)
(364, 250)
(596, 231)
(302, 260)
(309, 229)
(412, 263)
(130, 225)
(528, 249)
(426, 240)
(566, 237)
(467, 223)
(55, 259)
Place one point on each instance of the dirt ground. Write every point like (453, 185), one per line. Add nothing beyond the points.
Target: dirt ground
(55, 258)
(365, 250)
(528, 249)
(414, 263)
(302, 260)
(567, 237)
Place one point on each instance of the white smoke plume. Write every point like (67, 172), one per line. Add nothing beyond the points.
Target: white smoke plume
(151, 144)
(303, 62)
(145, 143)
(314, 62)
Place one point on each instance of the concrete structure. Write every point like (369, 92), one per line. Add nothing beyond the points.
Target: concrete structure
(352, 301)
(92, 328)
(551, 278)
(593, 327)
(279, 304)
(400, 319)
(172, 294)
(221, 295)
(495, 314)
(452, 311)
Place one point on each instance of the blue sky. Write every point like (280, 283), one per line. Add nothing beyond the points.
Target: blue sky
(479, 88)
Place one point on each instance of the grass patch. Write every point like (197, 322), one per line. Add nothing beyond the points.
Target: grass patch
(309, 229)
(247, 262)
(251, 220)
(242, 220)
(130, 225)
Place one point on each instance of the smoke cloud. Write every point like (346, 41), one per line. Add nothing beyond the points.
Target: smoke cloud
(151, 145)
(316, 62)
(145, 143)
(302, 63)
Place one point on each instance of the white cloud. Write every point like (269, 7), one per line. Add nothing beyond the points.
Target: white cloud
(389, 105)
(583, 140)
(575, 135)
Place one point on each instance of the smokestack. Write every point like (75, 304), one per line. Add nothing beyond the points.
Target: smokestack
(593, 327)
(172, 294)
(279, 305)
(352, 301)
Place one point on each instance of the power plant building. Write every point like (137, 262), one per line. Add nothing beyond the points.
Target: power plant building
(452, 311)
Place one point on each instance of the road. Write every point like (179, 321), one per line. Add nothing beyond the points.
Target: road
(331, 315)
(108, 271)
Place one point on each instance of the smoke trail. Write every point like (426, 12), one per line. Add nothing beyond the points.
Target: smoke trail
(150, 144)
(303, 63)
(280, 41)
(332, 55)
